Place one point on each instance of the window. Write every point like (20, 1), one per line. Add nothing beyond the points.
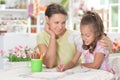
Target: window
(114, 7)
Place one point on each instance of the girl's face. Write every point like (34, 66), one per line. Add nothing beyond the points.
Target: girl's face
(57, 23)
(87, 34)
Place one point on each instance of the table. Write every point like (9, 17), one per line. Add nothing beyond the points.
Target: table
(22, 71)
(115, 63)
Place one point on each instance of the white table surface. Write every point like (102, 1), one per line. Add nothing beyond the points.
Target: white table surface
(22, 71)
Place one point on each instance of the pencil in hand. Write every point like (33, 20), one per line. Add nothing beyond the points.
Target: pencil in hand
(61, 64)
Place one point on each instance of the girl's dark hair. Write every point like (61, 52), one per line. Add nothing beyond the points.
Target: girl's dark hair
(92, 18)
(54, 9)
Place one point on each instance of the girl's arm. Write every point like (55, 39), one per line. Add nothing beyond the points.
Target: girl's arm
(49, 58)
(98, 59)
(71, 64)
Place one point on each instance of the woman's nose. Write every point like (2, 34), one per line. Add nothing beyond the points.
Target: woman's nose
(60, 26)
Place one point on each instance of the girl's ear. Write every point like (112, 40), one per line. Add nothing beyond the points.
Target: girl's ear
(47, 19)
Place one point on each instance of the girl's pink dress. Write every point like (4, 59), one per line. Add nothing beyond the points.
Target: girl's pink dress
(89, 58)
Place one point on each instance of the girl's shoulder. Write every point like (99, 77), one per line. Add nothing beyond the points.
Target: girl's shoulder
(99, 46)
(101, 49)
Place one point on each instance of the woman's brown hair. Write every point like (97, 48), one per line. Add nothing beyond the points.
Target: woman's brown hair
(55, 9)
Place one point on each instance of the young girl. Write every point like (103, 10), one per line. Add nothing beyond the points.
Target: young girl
(96, 57)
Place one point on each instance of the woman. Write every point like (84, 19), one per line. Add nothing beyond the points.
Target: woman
(55, 42)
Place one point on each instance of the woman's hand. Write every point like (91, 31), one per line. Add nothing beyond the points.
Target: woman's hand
(60, 68)
(50, 32)
(106, 42)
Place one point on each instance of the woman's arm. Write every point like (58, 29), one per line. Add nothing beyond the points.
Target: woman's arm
(49, 58)
(106, 42)
(71, 64)
(98, 59)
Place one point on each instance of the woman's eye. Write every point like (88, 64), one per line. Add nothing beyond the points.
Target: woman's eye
(63, 23)
(56, 22)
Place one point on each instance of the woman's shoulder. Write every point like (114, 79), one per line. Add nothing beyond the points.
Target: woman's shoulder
(42, 34)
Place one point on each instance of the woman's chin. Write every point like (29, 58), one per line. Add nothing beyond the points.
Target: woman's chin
(58, 34)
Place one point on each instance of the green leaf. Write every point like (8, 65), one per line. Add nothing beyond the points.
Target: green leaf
(64, 3)
(2, 2)
(14, 58)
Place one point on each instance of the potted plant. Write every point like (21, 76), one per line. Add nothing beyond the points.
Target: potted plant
(2, 4)
(2, 1)
(19, 53)
(116, 45)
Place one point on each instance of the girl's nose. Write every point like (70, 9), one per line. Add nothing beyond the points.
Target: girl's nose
(83, 38)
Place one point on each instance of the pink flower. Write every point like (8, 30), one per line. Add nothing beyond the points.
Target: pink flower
(86, 9)
(24, 55)
(1, 52)
(116, 46)
(81, 5)
(20, 46)
(19, 53)
(16, 51)
(10, 51)
(16, 48)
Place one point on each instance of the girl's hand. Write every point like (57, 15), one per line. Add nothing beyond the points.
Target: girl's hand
(50, 32)
(60, 68)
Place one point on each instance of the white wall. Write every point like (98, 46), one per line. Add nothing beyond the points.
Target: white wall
(113, 36)
(9, 41)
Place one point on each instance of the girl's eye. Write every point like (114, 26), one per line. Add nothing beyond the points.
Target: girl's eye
(87, 35)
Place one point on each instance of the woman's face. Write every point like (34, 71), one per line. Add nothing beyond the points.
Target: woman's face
(87, 34)
(57, 23)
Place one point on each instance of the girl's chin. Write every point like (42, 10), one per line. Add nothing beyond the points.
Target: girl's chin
(87, 44)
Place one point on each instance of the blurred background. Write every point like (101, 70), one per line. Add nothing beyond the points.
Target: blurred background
(33, 20)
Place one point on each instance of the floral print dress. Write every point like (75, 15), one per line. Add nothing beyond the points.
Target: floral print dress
(89, 58)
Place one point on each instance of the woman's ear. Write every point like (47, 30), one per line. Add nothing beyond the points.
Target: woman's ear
(47, 19)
